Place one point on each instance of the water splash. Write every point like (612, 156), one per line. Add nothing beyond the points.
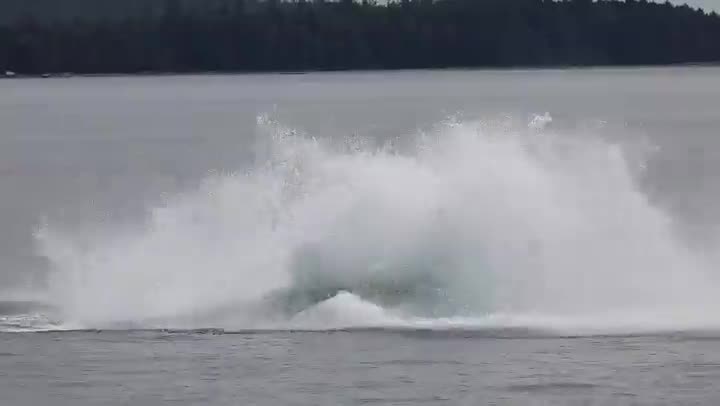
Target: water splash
(539, 122)
(470, 222)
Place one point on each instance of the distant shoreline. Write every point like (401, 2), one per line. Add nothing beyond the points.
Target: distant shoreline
(180, 37)
(68, 75)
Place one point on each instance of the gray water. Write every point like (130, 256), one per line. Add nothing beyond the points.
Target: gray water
(567, 275)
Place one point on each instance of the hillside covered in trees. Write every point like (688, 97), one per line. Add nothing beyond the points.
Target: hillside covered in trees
(103, 36)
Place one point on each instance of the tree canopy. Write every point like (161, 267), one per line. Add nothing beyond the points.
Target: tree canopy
(275, 35)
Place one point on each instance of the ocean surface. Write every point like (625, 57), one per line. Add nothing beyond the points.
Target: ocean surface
(399, 238)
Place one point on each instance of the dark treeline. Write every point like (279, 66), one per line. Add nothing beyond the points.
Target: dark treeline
(251, 35)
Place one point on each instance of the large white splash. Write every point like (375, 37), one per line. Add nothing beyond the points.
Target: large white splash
(471, 222)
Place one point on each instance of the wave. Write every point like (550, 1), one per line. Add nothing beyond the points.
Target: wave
(472, 224)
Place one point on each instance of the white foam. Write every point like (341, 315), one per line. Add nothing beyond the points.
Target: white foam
(345, 310)
(29, 323)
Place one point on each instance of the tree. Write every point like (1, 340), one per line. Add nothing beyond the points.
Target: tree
(230, 35)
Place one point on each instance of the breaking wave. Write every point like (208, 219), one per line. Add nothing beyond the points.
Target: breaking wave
(472, 225)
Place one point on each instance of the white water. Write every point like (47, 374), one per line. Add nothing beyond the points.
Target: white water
(508, 226)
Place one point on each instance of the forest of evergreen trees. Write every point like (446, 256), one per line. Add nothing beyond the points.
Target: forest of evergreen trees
(252, 35)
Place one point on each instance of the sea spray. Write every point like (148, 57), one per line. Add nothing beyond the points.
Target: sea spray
(472, 224)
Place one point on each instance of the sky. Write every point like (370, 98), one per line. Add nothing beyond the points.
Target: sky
(706, 4)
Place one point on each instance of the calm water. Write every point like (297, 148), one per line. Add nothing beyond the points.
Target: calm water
(494, 254)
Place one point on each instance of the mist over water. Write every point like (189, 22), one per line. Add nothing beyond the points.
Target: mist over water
(471, 225)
